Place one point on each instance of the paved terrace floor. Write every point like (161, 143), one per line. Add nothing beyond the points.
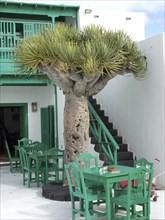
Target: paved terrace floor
(19, 202)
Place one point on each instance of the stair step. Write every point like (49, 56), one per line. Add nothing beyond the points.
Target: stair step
(122, 148)
(97, 107)
(113, 132)
(127, 155)
(92, 101)
(109, 125)
(105, 119)
(121, 156)
(128, 163)
(101, 113)
(118, 139)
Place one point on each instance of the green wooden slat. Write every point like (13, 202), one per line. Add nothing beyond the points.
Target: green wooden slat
(45, 126)
(51, 126)
(13, 80)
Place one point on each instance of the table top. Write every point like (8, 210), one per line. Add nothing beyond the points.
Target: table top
(43, 154)
(101, 173)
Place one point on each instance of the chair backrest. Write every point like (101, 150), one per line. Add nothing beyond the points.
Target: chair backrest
(75, 179)
(137, 180)
(24, 142)
(24, 158)
(86, 161)
(8, 151)
(142, 162)
(38, 147)
(54, 154)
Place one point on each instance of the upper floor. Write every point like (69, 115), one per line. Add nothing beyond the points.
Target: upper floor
(19, 20)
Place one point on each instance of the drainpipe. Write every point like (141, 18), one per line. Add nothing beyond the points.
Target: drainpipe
(56, 118)
(56, 103)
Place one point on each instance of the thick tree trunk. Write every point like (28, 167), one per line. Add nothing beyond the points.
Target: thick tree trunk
(76, 126)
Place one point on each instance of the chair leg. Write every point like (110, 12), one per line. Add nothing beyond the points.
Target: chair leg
(113, 208)
(133, 210)
(23, 177)
(73, 213)
(11, 167)
(57, 174)
(128, 213)
(86, 210)
(29, 179)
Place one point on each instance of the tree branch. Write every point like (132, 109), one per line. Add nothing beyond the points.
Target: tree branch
(75, 76)
(87, 78)
(91, 83)
(60, 79)
(99, 85)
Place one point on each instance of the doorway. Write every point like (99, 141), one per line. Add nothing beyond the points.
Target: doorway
(13, 126)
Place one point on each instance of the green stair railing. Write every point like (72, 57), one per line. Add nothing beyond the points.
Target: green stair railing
(102, 135)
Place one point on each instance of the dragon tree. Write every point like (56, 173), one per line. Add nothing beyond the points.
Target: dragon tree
(80, 63)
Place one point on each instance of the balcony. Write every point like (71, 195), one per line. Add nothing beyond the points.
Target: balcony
(11, 32)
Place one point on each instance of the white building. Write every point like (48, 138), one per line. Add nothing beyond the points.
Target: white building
(136, 107)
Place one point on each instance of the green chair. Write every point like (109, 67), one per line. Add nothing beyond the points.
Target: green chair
(54, 158)
(15, 162)
(86, 161)
(29, 170)
(136, 193)
(142, 162)
(82, 193)
(37, 147)
(24, 142)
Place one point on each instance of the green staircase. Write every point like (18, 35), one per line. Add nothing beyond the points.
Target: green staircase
(109, 145)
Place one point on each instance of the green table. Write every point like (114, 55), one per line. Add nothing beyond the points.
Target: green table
(40, 158)
(108, 179)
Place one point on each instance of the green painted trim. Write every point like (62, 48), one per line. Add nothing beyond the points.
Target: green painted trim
(38, 9)
(56, 118)
(25, 114)
(16, 80)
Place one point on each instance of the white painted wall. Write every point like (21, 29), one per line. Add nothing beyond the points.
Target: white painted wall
(114, 20)
(137, 108)
(43, 95)
(61, 100)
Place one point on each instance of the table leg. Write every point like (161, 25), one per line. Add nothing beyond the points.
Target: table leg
(37, 165)
(108, 191)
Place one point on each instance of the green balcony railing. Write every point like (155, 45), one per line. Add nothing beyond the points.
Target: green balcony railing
(102, 135)
(10, 33)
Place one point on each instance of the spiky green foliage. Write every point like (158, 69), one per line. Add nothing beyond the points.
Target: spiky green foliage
(89, 52)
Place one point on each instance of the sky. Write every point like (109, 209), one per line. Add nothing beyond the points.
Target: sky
(154, 10)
